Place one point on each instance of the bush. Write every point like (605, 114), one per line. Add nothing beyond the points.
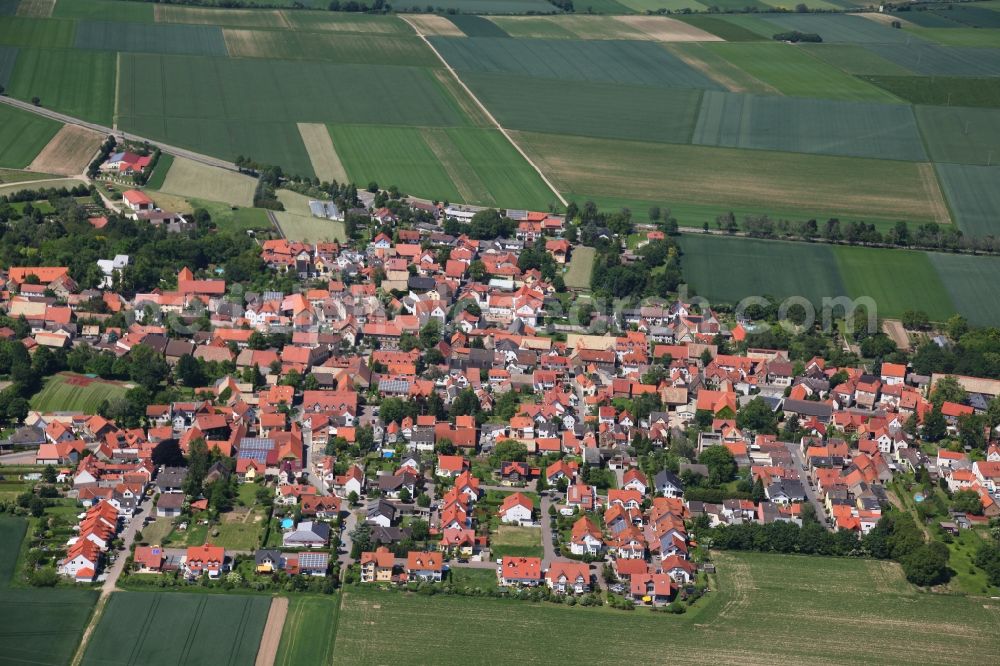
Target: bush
(795, 36)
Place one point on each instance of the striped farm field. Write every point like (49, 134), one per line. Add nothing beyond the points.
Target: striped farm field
(728, 75)
(105, 10)
(369, 24)
(961, 135)
(989, 37)
(22, 31)
(77, 83)
(70, 392)
(237, 18)
(169, 628)
(310, 631)
(589, 108)
(855, 59)
(330, 47)
(793, 71)
(801, 125)
(724, 177)
(150, 37)
(566, 26)
(470, 165)
(322, 153)
(8, 58)
(934, 60)
(973, 193)
(432, 24)
(726, 27)
(840, 28)
(971, 283)
(942, 90)
(194, 179)
(22, 136)
(581, 266)
(36, 8)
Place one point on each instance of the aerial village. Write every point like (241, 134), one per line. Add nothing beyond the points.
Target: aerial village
(422, 404)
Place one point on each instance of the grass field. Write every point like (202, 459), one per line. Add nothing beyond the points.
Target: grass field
(8, 58)
(973, 193)
(74, 82)
(234, 221)
(960, 36)
(581, 265)
(330, 47)
(824, 127)
(848, 186)
(22, 136)
(589, 108)
(793, 71)
(942, 90)
(971, 282)
(201, 181)
(40, 626)
(18, 176)
(801, 608)
(160, 171)
(641, 63)
(310, 631)
(69, 152)
(69, 392)
(41, 183)
(298, 223)
(961, 135)
(166, 629)
(516, 541)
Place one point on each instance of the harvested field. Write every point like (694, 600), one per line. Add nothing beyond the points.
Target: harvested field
(961, 135)
(664, 29)
(432, 24)
(973, 193)
(69, 152)
(846, 186)
(634, 62)
(22, 136)
(368, 24)
(269, 642)
(195, 179)
(238, 18)
(329, 47)
(36, 8)
(70, 392)
(823, 127)
(150, 37)
(78, 83)
(895, 330)
(727, 74)
(322, 153)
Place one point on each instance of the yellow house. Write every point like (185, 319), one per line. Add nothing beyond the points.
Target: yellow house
(376, 567)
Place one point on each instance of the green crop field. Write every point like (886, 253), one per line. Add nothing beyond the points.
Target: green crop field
(642, 63)
(482, 6)
(164, 629)
(331, 47)
(370, 24)
(456, 164)
(589, 108)
(8, 58)
(973, 193)
(150, 37)
(841, 28)
(795, 124)
(159, 174)
(793, 71)
(581, 266)
(477, 26)
(934, 60)
(959, 36)
(971, 283)
(961, 135)
(826, 599)
(22, 136)
(105, 10)
(69, 392)
(721, 27)
(39, 626)
(856, 60)
(310, 631)
(898, 280)
(234, 18)
(78, 83)
(724, 177)
(718, 68)
(21, 31)
(942, 90)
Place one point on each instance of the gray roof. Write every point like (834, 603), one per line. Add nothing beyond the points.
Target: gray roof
(808, 408)
(265, 555)
(170, 501)
(665, 477)
(382, 508)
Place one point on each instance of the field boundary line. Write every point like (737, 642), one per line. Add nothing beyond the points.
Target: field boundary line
(489, 115)
(95, 618)
(118, 85)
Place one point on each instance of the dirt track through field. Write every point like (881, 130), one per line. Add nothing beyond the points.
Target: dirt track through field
(663, 29)
(489, 115)
(271, 638)
(68, 153)
(322, 153)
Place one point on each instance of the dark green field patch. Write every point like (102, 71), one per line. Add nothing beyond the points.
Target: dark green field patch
(21, 31)
(840, 28)
(971, 16)
(105, 10)
(971, 282)
(936, 60)
(150, 38)
(801, 125)
(973, 194)
(720, 27)
(166, 629)
(942, 90)
(8, 7)
(928, 19)
(589, 109)
(961, 135)
(641, 63)
(8, 57)
(477, 26)
(22, 136)
(78, 83)
(482, 6)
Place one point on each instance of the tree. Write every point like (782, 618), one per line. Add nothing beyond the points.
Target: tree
(361, 540)
(915, 320)
(947, 389)
(758, 416)
(721, 464)
(37, 101)
(508, 450)
(935, 426)
(404, 496)
(970, 431)
(444, 446)
(49, 474)
(189, 371)
(927, 564)
(423, 500)
(430, 334)
(147, 367)
(352, 498)
(956, 327)
(37, 507)
(967, 501)
(168, 453)
(197, 463)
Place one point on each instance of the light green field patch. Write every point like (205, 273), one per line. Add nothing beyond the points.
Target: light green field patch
(22, 136)
(971, 283)
(973, 194)
(961, 135)
(297, 222)
(718, 68)
(986, 37)
(105, 10)
(46, 183)
(533, 27)
(672, 5)
(190, 178)
(581, 266)
(325, 161)
(793, 71)
(855, 60)
(69, 392)
(342, 22)
(22, 31)
(463, 174)
(237, 18)
(811, 4)
(310, 631)
(338, 48)
(77, 83)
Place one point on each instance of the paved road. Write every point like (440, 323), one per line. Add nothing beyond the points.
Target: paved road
(127, 537)
(166, 148)
(810, 490)
(19, 458)
(344, 556)
(548, 547)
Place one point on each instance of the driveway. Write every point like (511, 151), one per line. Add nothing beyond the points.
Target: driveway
(548, 546)
(344, 558)
(127, 537)
(810, 490)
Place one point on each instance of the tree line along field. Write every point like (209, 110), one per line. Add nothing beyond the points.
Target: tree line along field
(764, 609)
(39, 625)
(166, 628)
(898, 280)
